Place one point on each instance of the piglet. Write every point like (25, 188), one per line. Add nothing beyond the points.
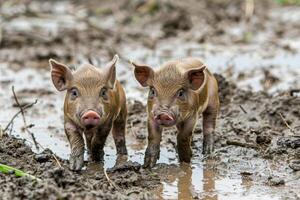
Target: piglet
(179, 91)
(94, 104)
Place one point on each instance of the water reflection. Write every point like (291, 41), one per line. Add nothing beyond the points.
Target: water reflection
(192, 181)
(209, 181)
(185, 183)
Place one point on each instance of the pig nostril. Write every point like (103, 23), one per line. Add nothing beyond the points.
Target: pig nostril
(90, 117)
(164, 117)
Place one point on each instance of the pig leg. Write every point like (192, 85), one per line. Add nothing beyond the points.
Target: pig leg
(153, 148)
(184, 138)
(76, 141)
(119, 130)
(88, 137)
(209, 124)
(98, 142)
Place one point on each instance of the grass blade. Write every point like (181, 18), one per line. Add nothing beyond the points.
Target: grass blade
(9, 170)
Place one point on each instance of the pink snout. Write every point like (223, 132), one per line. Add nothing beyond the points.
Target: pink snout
(90, 119)
(164, 119)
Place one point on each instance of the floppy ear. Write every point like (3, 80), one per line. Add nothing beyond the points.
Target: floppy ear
(143, 74)
(61, 75)
(111, 71)
(196, 77)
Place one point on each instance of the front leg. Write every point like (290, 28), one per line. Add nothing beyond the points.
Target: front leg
(98, 142)
(74, 135)
(209, 123)
(119, 130)
(184, 138)
(153, 148)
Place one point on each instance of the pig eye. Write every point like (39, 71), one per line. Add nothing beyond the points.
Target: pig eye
(181, 94)
(103, 93)
(152, 92)
(74, 93)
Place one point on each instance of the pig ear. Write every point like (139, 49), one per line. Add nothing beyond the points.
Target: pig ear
(196, 77)
(61, 75)
(143, 74)
(111, 71)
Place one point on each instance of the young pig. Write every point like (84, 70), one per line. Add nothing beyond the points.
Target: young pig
(95, 103)
(179, 91)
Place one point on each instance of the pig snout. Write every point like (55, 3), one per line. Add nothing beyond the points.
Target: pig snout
(90, 119)
(164, 119)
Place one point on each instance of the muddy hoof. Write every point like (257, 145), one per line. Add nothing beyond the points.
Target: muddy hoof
(122, 150)
(207, 151)
(76, 163)
(151, 156)
(208, 145)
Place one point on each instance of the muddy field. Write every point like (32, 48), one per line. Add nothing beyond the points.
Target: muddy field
(255, 54)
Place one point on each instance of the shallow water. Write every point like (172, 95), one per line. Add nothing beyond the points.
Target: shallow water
(198, 178)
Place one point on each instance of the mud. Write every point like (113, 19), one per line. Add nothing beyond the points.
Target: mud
(61, 183)
(256, 60)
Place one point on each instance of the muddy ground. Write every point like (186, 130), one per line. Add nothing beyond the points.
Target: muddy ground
(255, 56)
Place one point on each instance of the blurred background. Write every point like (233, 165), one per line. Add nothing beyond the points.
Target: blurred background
(254, 43)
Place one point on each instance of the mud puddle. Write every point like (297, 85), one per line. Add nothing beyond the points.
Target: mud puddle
(233, 173)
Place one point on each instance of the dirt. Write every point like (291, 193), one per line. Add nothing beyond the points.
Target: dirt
(61, 183)
(256, 60)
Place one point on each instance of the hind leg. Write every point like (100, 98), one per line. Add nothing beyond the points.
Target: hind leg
(119, 130)
(209, 124)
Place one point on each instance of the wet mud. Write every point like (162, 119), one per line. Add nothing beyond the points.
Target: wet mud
(255, 57)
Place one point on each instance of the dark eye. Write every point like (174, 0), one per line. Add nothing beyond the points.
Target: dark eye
(74, 93)
(152, 92)
(103, 93)
(181, 94)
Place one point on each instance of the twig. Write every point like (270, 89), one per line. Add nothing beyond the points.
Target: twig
(1, 132)
(109, 180)
(24, 119)
(13, 118)
(285, 122)
(242, 108)
(11, 128)
(241, 144)
(37, 145)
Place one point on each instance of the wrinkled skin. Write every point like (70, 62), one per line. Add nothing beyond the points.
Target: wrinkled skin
(179, 91)
(95, 104)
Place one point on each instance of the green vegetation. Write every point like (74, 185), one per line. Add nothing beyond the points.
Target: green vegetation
(10, 170)
(288, 2)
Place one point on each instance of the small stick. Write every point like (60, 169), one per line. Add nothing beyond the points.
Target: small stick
(1, 132)
(285, 122)
(13, 118)
(24, 119)
(11, 128)
(109, 180)
(242, 108)
(241, 144)
(37, 145)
